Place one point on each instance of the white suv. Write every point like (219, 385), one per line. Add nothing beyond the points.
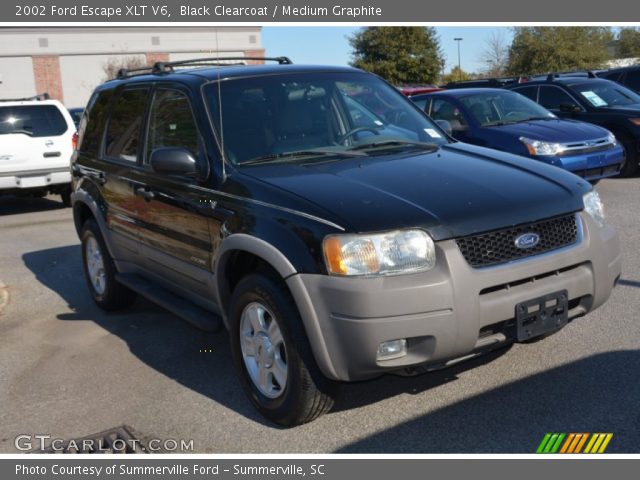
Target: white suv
(37, 138)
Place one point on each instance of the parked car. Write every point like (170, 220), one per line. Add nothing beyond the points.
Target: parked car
(76, 115)
(510, 122)
(36, 142)
(333, 242)
(593, 100)
(627, 76)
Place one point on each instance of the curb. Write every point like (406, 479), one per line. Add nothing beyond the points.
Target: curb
(4, 296)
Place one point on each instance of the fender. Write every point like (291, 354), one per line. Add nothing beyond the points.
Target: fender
(275, 258)
(80, 195)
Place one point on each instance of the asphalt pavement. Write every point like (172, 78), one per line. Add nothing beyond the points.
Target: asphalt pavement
(67, 369)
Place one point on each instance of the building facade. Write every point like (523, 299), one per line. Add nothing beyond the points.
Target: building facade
(68, 62)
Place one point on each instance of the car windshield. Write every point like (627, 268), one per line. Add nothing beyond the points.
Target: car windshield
(313, 116)
(501, 108)
(32, 120)
(605, 94)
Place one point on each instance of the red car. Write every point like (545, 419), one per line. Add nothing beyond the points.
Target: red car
(410, 90)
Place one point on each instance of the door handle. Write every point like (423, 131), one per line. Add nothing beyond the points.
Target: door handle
(144, 193)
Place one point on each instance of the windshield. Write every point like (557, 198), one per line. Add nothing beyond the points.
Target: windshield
(500, 108)
(314, 115)
(606, 94)
(32, 120)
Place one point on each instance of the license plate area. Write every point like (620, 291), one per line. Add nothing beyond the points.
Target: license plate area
(542, 315)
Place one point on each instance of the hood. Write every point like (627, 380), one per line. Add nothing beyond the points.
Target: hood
(556, 130)
(457, 191)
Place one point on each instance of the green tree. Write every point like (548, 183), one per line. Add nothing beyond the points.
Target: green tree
(628, 42)
(457, 75)
(401, 55)
(536, 50)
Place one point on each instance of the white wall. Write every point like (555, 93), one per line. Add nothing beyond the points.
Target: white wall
(16, 77)
(102, 40)
(81, 74)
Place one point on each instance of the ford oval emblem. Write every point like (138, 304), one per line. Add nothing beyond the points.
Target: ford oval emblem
(527, 240)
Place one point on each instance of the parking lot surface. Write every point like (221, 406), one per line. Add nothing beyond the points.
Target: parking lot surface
(67, 369)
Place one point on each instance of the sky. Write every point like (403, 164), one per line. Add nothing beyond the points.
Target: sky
(329, 45)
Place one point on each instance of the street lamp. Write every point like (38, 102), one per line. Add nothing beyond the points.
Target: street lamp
(458, 40)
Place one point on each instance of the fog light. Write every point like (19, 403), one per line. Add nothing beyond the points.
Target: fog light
(392, 349)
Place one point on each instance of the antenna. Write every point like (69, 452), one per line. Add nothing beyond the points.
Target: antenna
(220, 108)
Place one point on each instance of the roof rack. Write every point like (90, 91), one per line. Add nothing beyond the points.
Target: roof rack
(166, 67)
(578, 73)
(38, 97)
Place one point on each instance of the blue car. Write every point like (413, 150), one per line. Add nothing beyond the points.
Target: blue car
(507, 121)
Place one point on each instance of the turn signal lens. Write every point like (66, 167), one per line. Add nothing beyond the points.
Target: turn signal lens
(635, 121)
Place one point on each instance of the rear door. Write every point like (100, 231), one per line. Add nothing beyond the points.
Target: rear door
(174, 221)
(34, 139)
(121, 168)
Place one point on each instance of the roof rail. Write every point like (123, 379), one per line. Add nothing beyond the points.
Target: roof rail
(38, 97)
(166, 67)
(576, 73)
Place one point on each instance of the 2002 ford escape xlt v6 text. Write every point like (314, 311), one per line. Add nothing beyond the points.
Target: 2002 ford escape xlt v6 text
(327, 223)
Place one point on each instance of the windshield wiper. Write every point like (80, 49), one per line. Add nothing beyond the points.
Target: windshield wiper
(26, 132)
(513, 122)
(396, 143)
(539, 118)
(276, 157)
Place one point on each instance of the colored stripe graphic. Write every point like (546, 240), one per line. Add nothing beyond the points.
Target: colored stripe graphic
(573, 443)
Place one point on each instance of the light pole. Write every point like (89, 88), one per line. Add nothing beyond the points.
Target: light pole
(458, 40)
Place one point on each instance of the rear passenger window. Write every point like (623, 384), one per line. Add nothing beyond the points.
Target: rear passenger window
(530, 92)
(92, 123)
(171, 123)
(123, 131)
(422, 103)
(553, 97)
(614, 76)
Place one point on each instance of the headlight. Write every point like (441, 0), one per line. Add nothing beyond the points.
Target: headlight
(400, 251)
(593, 206)
(537, 147)
(611, 138)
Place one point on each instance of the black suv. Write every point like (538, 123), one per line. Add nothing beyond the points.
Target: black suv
(327, 223)
(595, 100)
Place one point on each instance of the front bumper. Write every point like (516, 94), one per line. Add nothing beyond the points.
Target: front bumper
(42, 178)
(590, 166)
(450, 311)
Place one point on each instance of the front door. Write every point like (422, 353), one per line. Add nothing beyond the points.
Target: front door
(174, 222)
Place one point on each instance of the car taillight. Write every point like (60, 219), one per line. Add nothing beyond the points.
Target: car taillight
(74, 141)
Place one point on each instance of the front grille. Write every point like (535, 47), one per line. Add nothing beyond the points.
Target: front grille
(587, 147)
(494, 248)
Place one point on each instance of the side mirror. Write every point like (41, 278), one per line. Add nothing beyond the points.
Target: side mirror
(173, 161)
(569, 108)
(446, 126)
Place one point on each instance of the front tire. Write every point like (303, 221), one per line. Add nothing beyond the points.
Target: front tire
(272, 354)
(100, 271)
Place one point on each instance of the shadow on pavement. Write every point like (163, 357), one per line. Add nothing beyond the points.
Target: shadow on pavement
(598, 394)
(11, 205)
(629, 283)
(172, 347)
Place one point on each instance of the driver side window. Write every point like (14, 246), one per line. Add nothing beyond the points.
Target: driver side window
(445, 110)
(172, 124)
